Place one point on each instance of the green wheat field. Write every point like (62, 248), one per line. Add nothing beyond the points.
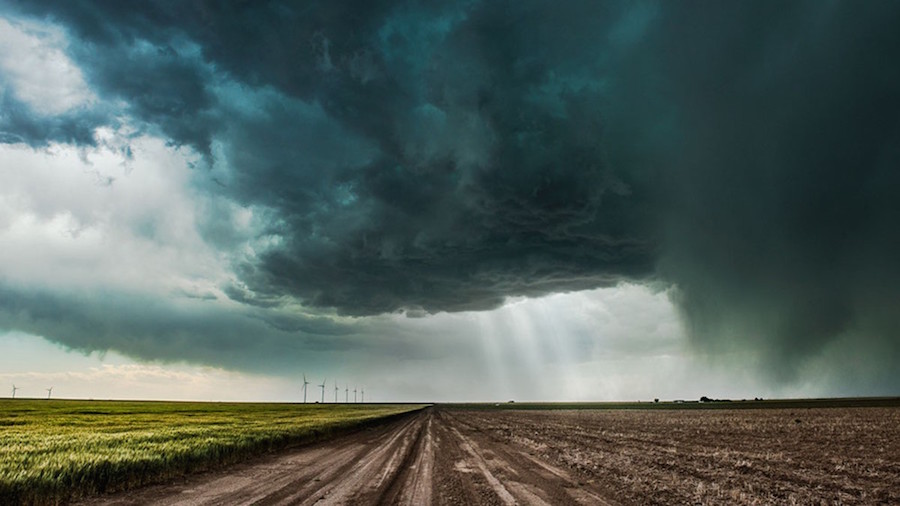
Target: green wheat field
(57, 450)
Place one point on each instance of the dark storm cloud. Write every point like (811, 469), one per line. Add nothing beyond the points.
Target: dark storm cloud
(784, 189)
(19, 124)
(185, 329)
(446, 157)
(486, 176)
(414, 157)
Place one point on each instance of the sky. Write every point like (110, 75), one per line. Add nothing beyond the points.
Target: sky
(463, 200)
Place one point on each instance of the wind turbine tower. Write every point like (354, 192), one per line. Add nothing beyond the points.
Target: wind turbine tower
(14, 391)
(335, 392)
(323, 391)
(346, 393)
(49, 392)
(363, 394)
(304, 387)
(354, 394)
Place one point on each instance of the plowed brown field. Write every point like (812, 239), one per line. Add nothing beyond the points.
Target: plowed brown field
(440, 456)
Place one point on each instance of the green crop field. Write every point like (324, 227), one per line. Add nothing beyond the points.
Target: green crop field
(57, 450)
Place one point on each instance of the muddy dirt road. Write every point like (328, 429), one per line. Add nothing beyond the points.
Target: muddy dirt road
(427, 458)
(445, 457)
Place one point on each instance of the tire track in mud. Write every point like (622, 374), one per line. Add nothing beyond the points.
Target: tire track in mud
(430, 457)
(520, 477)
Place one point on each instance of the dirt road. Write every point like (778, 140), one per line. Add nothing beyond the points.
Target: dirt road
(443, 457)
(427, 458)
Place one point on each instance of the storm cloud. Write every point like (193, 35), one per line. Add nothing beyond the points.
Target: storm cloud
(426, 158)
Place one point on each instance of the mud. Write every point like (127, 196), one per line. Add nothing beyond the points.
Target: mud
(448, 457)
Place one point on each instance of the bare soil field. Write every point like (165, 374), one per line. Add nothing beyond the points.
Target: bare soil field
(766, 456)
(446, 456)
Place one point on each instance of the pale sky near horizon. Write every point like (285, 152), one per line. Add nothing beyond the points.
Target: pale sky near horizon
(467, 201)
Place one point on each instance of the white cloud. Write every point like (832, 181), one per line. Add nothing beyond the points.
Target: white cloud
(34, 64)
(76, 218)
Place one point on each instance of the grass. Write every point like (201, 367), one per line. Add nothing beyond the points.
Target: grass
(53, 451)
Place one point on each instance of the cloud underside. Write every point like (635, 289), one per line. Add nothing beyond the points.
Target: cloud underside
(444, 158)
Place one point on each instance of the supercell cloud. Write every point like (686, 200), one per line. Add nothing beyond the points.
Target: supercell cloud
(409, 156)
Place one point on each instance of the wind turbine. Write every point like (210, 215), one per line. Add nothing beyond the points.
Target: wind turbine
(323, 390)
(363, 392)
(304, 387)
(346, 393)
(49, 391)
(354, 394)
(14, 391)
(335, 392)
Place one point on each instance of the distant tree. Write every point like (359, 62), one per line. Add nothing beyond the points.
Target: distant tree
(705, 399)
(655, 400)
